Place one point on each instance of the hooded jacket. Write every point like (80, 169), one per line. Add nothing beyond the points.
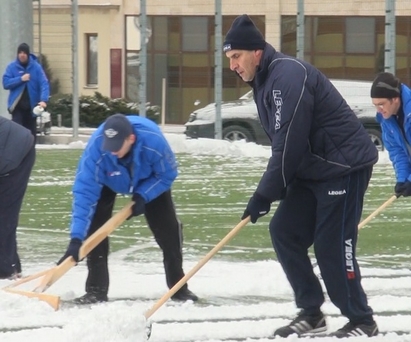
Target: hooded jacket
(397, 144)
(149, 170)
(315, 136)
(38, 86)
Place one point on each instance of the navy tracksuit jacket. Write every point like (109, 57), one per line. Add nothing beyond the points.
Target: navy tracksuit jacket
(323, 157)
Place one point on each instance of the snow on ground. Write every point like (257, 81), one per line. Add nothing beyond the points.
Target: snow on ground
(241, 301)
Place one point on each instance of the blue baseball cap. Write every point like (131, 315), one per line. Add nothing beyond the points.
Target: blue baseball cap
(117, 128)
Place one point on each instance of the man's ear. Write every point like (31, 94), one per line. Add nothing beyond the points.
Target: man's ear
(133, 138)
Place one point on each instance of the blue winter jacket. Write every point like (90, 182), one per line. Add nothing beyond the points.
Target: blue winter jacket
(152, 170)
(397, 145)
(37, 87)
(315, 136)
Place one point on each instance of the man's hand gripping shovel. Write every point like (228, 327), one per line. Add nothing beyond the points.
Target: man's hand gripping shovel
(50, 276)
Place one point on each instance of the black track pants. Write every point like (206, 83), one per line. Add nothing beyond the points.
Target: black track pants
(13, 186)
(26, 119)
(162, 220)
(325, 214)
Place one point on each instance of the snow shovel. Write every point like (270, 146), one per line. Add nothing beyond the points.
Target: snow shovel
(192, 272)
(50, 276)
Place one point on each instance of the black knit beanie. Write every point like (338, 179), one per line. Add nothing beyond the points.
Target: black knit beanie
(386, 86)
(243, 35)
(23, 47)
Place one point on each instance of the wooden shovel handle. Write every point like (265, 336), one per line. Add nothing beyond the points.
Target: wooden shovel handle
(377, 211)
(88, 245)
(194, 270)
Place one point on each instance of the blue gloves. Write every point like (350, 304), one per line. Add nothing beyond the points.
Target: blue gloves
(139, 206)
(73, 250)
(257, 207)
(403, 189)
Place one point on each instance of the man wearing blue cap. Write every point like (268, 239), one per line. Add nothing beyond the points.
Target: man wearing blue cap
(321, 163)
(127, 155)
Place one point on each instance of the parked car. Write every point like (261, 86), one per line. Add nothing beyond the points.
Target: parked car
(240, 119)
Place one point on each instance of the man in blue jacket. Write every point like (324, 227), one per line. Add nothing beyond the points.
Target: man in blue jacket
(392, 99)
(28, 86)
(126, 155)
(321, 163)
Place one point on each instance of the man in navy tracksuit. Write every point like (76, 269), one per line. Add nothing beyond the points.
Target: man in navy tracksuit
(392, 99)
(17, 155)
(321, 163)
(127, 155)
(28, 86)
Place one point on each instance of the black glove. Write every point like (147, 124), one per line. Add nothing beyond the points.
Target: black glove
(139, 206)
(73, 250)
(257, 207)
(403, 189)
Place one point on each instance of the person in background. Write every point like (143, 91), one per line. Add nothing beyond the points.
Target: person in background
(127, 155)
(17, 156)
(392, 99)
(28, 86)
(321, 163)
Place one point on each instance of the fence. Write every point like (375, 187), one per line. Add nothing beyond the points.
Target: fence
(346, 40)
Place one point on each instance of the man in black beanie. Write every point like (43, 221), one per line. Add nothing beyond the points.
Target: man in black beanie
(28, 86)
(392, 99)
(321, 163)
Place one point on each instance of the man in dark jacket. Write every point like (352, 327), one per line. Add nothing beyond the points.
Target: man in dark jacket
(127, 155)
(28, 86)
(17, 155)
(321, 163)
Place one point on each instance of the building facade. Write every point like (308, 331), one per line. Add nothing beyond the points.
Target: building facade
(345, 42)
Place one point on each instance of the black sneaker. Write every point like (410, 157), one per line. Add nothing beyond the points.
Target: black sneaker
(91, 298)
(352, 329)
(184, 295)
(303, 324)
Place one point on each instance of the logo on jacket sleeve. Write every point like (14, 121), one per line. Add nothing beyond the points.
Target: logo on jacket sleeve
(278, 103)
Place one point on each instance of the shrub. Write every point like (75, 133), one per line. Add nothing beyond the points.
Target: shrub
(93, 110)
(54, 82)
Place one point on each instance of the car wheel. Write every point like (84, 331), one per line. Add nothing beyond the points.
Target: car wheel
(376, 138)
(235, 133)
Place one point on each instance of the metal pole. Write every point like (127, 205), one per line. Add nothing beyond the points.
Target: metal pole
(390, 36)
(143, 58)
(75, 102)
(163, 103)
(16, 17)
(39, 18)
(218, 74)
(300, 30)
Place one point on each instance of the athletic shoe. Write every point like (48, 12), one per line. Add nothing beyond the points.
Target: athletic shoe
(351, 330)
(91, 298)
(13, 276)
(303, 324)
(184, 295)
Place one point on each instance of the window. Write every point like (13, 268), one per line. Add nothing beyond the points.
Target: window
(195, 33)
(92, 59)
(360, 35)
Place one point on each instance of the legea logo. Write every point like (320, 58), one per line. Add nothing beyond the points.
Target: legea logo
(110, 133)
(336, 192)
(278, 102)
(226, 47)
(349, 262)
